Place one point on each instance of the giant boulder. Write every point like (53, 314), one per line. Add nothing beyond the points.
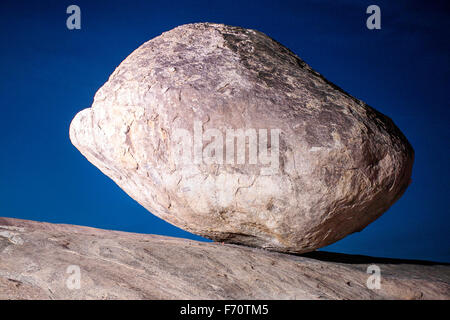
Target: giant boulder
(310, 163)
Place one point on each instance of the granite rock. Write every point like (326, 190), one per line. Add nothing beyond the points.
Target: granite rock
(310, 163)
(54, 261)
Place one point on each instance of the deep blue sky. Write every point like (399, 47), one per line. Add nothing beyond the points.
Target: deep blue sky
(49, 73)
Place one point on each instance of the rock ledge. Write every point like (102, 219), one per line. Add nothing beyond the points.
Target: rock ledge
(35, 256)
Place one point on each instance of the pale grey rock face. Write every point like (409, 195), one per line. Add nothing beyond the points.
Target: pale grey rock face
(71, 262)
(335, 164)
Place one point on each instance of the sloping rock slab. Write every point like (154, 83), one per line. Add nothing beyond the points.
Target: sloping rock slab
(35, 259)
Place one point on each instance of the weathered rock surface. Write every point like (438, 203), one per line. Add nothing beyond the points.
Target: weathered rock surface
(35, 257)
(341, 164)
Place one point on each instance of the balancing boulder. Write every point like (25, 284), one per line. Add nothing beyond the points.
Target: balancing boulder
(224, 132)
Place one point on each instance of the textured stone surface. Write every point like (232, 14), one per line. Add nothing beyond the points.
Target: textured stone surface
(34, 258)
(341, 163)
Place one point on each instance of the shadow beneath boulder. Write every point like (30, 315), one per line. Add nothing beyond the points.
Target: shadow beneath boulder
(361, 259)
